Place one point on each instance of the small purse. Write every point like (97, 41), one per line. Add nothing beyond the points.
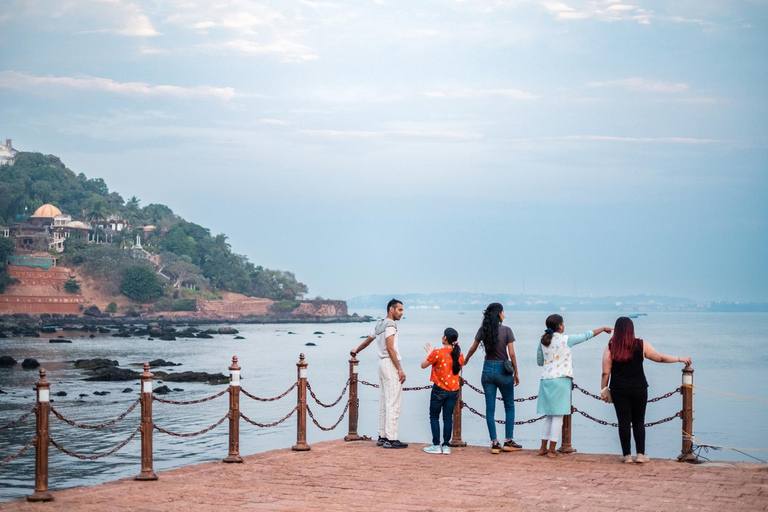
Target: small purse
(606, 393)
(509, 368)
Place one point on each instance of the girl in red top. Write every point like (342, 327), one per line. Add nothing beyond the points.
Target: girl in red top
(446, 364)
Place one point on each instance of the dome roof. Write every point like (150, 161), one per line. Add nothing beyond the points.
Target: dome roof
(47, 210)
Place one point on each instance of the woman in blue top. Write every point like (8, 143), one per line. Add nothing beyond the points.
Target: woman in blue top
(554, 354)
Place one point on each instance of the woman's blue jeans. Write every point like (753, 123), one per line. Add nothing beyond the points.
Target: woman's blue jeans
(494, 378)
(442, 400)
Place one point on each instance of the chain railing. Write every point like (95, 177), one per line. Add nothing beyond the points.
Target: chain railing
(43, 408)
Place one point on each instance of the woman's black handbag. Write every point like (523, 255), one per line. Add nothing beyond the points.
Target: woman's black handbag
(509, 367)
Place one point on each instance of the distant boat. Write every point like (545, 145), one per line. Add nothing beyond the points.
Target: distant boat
(637, 315)
(461, 312)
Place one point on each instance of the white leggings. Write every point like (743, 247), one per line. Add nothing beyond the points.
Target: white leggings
(553, 425)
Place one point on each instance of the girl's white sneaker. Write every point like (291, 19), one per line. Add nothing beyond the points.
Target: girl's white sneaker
(641, 458)
(435, 448)
(627, 459)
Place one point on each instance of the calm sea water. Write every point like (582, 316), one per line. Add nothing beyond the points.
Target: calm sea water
(728, 352)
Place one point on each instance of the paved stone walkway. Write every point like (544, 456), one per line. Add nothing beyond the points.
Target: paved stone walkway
(339, 476)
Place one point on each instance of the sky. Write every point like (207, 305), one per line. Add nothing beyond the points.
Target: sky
(587, 147)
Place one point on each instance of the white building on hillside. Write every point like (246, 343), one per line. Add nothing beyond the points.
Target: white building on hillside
(7, 153)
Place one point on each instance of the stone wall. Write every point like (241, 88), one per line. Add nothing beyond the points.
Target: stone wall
(39, 291)
(321, 308)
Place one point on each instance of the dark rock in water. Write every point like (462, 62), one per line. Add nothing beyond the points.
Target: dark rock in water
(29, 364)
(3, 392)
(128, 390)
(92, 311)
(95, 364)
(155, 331)
(310, 344)
(204, 335)
(2, 335)
(291, 332)
(159, 382)
(162, 390)
(121, 335)
(210, 378)
(168, 328)
(318, 332)
(81, 395)
(363, 337)
(60, 393)
(168, 337)
(59, 341)
(104, 330)
(162, 362)
(239, 338)
(6, 361)
(101, 393)
(228, 330)
(150, 339)
(178, 389)
(113, 374)
(31, 334)
(92, 336)
(48, 330)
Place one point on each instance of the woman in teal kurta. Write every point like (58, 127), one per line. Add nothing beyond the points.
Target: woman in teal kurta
(554, 354)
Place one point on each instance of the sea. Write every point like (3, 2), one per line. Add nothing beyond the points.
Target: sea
(729, 353)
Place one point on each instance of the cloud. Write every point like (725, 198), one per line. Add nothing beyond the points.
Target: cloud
(382, 134)
(93, 16)
(614, 138)
(288, 50)
(515, 94)
(25, 82)
(642, 85)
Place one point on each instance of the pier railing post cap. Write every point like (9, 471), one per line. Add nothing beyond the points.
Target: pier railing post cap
(235, 367)
(302, 361)
(146, 374)
(42, 382)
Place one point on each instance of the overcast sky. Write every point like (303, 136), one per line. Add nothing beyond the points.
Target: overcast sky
(588, 147)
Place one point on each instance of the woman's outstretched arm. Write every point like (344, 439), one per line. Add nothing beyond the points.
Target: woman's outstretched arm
(472, 350)
(651, 353)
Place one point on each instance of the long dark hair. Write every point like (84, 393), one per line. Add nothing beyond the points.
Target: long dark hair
(490, 326)
(453, 336)
(553, 322)
(623, 342)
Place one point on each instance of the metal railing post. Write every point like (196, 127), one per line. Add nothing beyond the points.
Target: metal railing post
(42, 440)
(686, 454)
(565, 439)
(301, 424)
(456, 435)
(234, 413)
(147, 426)
(354, 402)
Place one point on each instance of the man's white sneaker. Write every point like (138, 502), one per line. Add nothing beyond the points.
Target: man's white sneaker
(435, 448)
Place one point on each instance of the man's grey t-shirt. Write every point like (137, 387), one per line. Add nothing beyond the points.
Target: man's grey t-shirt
(496, 351)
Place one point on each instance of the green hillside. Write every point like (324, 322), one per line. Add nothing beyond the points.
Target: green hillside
(189, 254)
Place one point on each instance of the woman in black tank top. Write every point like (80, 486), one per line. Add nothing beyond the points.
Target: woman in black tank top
(623, 364)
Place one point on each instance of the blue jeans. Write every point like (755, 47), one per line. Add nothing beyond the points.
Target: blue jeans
(442, 399)
(494, 378)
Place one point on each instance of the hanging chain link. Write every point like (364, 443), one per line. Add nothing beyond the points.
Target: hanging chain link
(20, 418)
(191, 402)
(366, 383)
(500, 399)
(273, 424)
(95, 427)
(99, 456)
(678, 414)
(19, 453)
(596, 397)
(344, 413)
(662, 397)
(321, 404)
(500, 422)
(193, 434)
(269, 399)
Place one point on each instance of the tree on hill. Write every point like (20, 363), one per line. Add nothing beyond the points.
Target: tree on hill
(6, 250)
(141, 284)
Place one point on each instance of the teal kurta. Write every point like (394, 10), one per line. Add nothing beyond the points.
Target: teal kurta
(555, 394)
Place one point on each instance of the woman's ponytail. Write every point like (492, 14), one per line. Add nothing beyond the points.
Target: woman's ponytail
(553, 323)
(452, 336)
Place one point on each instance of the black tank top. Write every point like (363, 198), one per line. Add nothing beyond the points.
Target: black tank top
(629, 374)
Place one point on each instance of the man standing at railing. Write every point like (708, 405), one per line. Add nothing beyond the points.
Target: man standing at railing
(391, 374)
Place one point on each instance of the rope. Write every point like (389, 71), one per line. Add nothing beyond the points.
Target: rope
(267, 425)
(728, 394)
(193, 434)
(500, 422)
(199, 401)
(321, 404)
(693, 438)
(269, 399)
(326, 429)
(19, 453)
(99, 456)
(95, 427)
(19, 419)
